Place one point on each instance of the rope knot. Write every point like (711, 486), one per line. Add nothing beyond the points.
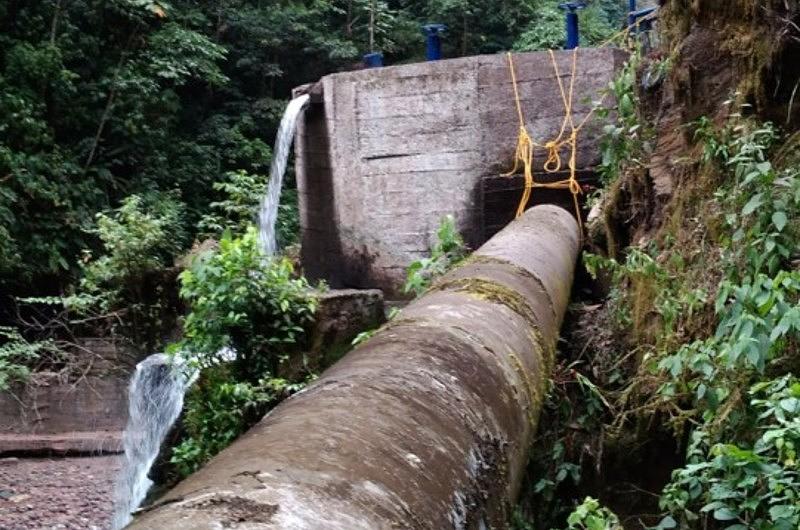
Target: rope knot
(553, 162)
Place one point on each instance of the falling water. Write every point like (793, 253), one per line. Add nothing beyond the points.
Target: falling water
(155, 395)
(155, 400)
(268, 213)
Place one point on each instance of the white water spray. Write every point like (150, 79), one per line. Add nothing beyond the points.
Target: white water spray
(155, 400)
(268, 213)
(155, 395)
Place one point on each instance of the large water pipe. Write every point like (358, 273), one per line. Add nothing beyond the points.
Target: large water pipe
(425, 426)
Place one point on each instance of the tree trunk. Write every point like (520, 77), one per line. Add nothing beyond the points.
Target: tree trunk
(426, 425)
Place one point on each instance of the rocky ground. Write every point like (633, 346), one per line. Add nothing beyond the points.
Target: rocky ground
(57, 493)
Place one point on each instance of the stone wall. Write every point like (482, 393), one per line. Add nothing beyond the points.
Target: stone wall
(384, 154)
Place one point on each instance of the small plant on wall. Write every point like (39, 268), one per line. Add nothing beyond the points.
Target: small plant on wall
(448, 251)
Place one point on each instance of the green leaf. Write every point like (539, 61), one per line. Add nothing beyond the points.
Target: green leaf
(666, 524)
(753, 204)
(779, 219)
(725, 514)
(790, 405)
(782, 511)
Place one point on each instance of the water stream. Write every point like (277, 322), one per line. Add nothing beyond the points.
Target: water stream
(155, 395)
(155, 400)
(268, 213)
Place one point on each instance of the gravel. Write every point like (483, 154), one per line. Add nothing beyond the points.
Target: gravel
(57, 493)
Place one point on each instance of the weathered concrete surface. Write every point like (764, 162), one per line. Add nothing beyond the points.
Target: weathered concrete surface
(425, 426)
(343, 314)
(49, 415)
(385, 153)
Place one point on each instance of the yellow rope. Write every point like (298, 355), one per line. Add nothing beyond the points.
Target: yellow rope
(526, 146)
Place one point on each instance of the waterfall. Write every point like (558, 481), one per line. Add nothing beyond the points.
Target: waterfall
(155, 395)
(155, 400)
(268, 212)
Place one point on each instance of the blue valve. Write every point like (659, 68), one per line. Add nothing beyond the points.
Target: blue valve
(433, 40)
(573, 30)
(373, 60)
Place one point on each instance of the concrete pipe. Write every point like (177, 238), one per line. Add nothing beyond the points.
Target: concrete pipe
(427, 425)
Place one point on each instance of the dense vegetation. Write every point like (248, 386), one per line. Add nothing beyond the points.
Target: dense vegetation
(101, 100)
(133, 130)
(676, 400)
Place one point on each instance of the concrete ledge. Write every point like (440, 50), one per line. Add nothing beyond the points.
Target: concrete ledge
(62, 443)
(49, 414)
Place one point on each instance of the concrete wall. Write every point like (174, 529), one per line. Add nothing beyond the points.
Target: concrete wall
(51, 415)
(384, 154)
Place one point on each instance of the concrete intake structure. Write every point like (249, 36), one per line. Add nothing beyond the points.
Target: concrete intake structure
(384, 154)
(426, 426)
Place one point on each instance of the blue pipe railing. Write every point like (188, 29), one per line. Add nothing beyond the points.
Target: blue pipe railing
(646, 23)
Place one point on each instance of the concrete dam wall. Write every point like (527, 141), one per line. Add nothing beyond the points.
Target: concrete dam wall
(384, 154)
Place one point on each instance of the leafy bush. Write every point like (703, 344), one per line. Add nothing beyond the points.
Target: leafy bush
(241, 300)
(18, 356)
(126, 292)
(218, 410)
(246, 313)
(448, 250)
(590, 515)
(751, 484)
(742, 470)
(546, 31)
(625, 141)
(140, 237)
(237, 210)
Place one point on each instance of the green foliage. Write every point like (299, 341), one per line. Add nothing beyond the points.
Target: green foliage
(218, 410)
(125, 291)
(575, 405)
(625, 141)
(237, 210)
(448, 251)
(546, 31)
(750, 484)
(742, 469)
(140, 237)
(590, 515)
(674, 301)
(80, 127)
(241, 300)
(99, 101)
(757, 302)
(18, 356)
